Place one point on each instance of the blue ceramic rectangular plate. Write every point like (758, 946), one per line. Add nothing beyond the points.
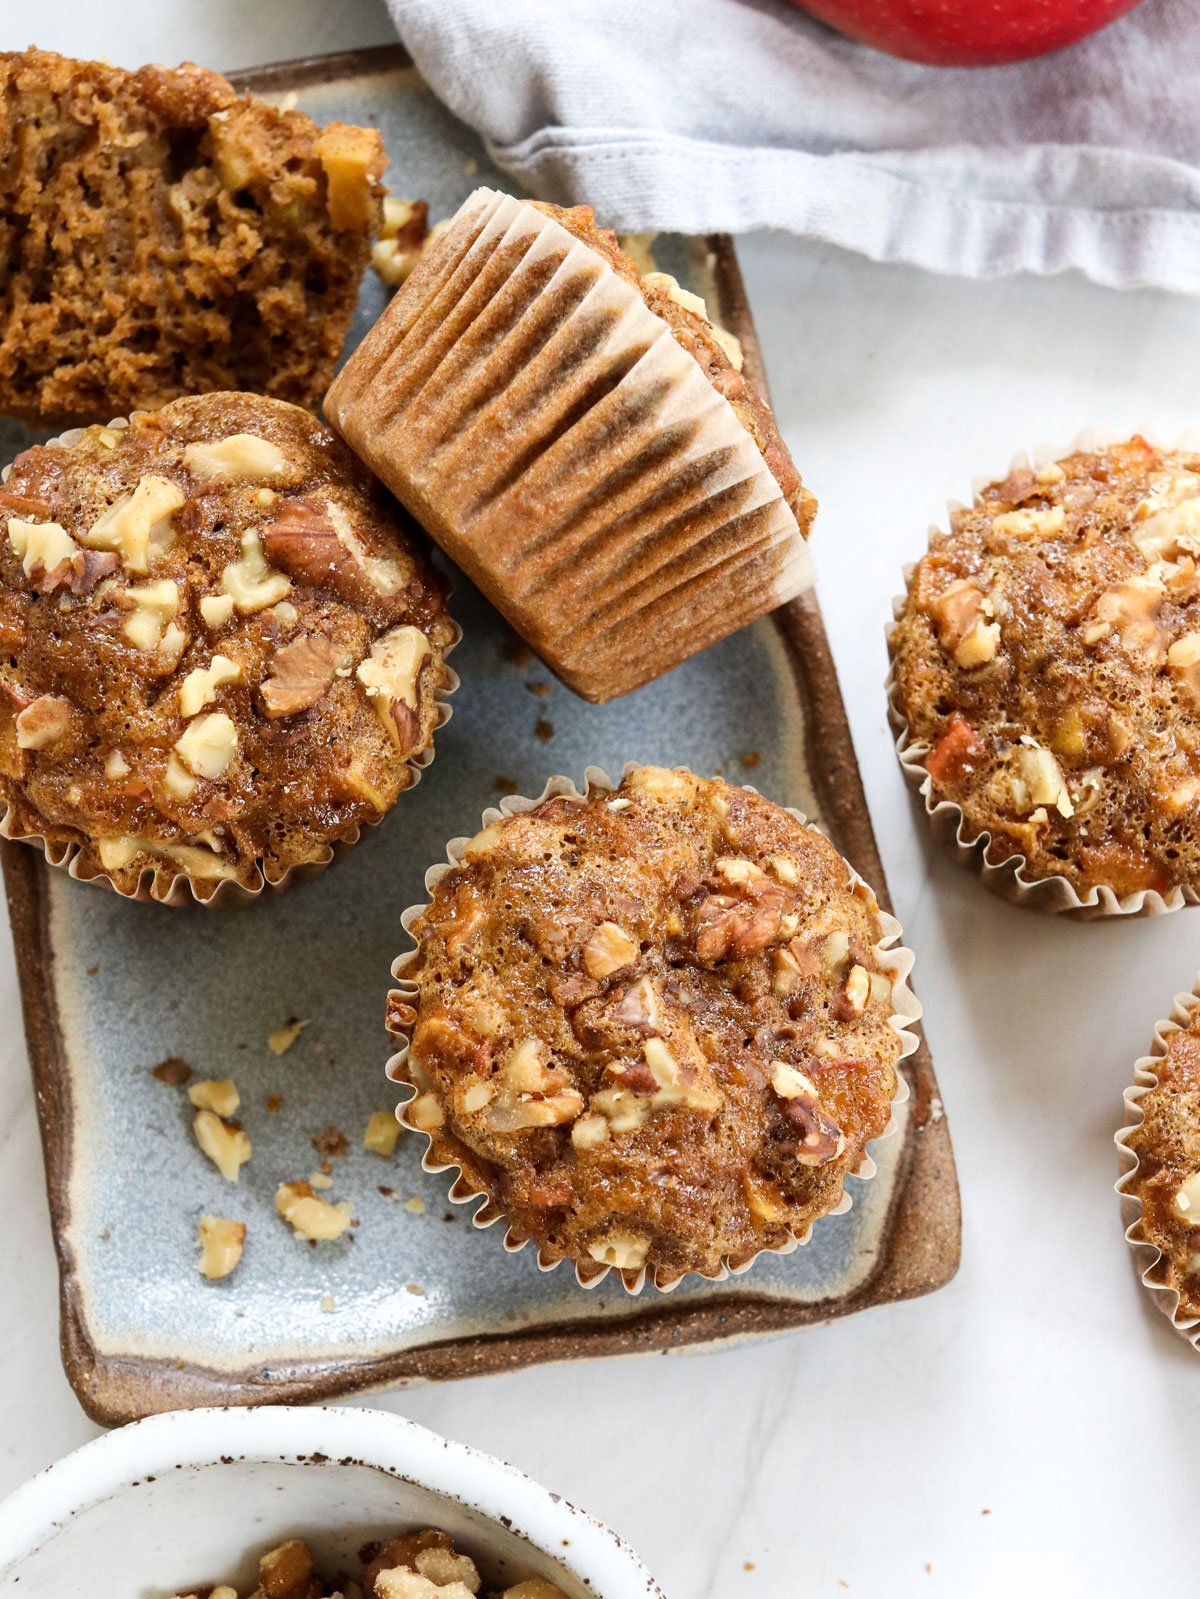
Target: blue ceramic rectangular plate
(413, 1291)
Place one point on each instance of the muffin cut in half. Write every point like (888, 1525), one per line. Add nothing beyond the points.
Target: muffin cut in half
(221, 648)
(580, 439)
(163, 235)
(655, 1025)
(1046, 679)
(1160, 1147)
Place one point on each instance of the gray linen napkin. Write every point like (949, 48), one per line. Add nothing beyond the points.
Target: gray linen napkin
(702, 116)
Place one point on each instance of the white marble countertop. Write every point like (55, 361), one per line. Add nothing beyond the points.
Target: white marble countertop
(974, 1442)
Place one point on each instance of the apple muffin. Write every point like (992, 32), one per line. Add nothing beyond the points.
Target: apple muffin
(416, 1565)
(581, 439)
(1046, 672)
(1164, 1183)
(221, 648)
(656, 1026)
(163, 235)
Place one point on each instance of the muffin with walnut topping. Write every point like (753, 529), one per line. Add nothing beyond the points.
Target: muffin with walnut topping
(656, 1026)
(221, 649)
(1046, 679)
(1160, 1150)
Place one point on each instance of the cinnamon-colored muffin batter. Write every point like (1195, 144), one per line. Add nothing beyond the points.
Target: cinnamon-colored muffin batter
(163, 235)
(1047, 662)
(1167, 1179)
(653, 1025)
(220, 644)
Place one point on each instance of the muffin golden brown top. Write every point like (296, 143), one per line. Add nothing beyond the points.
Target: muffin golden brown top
(718, 354)
(162, 235)
(219, 645)
(653, 1025)
(1167, 1179)
(1047, 662)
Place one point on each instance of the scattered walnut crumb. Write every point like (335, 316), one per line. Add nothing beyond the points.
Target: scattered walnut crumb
(328, 1303)
(388, 1193)
(331, 1142)
(320, 1179)
(539, 687)
(544, 729)
(751, 759)
(273, 1103)
(216, 1094)
(227, 1146)
(94, 971)
(282, 1039)
(415, 1288)
(383, 1131)
(415, 1206)
(310, 1216)
(174, 1071)
(221, 1246)
(504, 785)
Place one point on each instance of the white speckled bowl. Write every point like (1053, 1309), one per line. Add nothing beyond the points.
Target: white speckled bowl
(195, 1496)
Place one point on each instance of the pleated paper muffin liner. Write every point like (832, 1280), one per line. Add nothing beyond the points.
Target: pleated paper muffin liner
(567, 452)
(1002, 868)
(891, 955)
(164, 884)
(1153, 1266)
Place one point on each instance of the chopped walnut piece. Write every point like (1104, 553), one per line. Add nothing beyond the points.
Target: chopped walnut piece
(216, 1094)
(390, 676)
(310, 1216)
(174, 1071)
(401, 241)
(639, 1007)
(154, 604)
(215, 610)
(286, 1572)
(301, 673)
(623, 1251)
(282, 1039)
(208, 745)
(199, 687)
(43, 722)
(241, 455)
(221, 1246)
(1030, 524)
(43, 548)
(250, 582)
(740, 923)
(227, 1147)
(139, 524)
(821, 1139)
(608, 950)
(383, 1131)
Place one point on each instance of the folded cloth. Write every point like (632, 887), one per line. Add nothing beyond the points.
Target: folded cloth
(703, 116)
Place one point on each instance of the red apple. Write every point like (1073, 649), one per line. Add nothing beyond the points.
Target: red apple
(967, 33)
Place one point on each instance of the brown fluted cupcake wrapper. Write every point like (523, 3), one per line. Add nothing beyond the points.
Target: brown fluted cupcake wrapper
(1000, 867)
(891, 954)
(553, 436)
(1152, 1265)
(163, 883)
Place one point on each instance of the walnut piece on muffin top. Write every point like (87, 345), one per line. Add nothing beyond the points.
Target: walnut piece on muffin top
(1166, 1180)
(220, 646)
(652, 1025)
(1047, 663)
